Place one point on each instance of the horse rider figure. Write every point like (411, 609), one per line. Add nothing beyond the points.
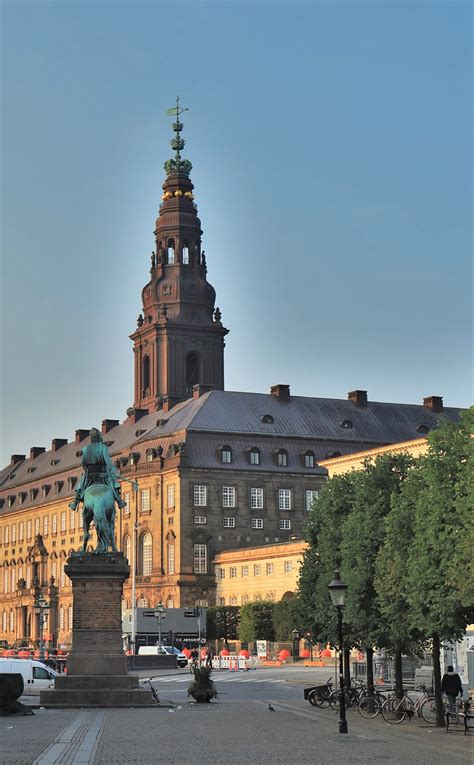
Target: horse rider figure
(98, 469)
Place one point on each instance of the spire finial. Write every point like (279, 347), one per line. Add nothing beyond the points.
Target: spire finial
(177, 165)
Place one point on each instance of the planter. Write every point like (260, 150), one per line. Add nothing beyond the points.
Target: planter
(203, 695)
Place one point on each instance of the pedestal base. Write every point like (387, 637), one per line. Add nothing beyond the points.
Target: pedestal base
(73, 691)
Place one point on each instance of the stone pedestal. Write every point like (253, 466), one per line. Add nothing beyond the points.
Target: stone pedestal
(97, 666)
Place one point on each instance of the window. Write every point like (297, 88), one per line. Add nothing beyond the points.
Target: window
(200, 519)
(13, 577)
(254, 456)
(270, 569)
(71, 482)
(54, 569)
(228, 523)
(257, 569)
(233, 600)
(62, 576)
(21, 531)
(192, 370)
(186, 255)
(170, 603)
(45, 526)
(245, 599)
(170, 495)
(150, 454)
(200, 495)
(284, 499)
(285, 525)
(127, 547)
(28, 577)
(220, 573)
(309, 460)
(310, 496)
(226, 454)
(287, 566)
(72, 520)
(171, 559)
(4, 621)
(256, 523)
(282, 458)
(70, 617)
(222, 601)
(126, 509)
(37, 527)
(146, 374)
(233, 572)
(13, 533)
(44, 491)
(256, 499)
(7, 534)
(10, 500)
(54, 523)
(61, 621)
(202, 603)
(12, 623)
(245, 570)
(145, 501)
(5, 580)
(63, 521)
(28, 530)
(228, 496)
(147, 553)
(200, 559)
(170, 251)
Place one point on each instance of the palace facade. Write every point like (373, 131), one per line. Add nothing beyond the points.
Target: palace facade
(203, 470)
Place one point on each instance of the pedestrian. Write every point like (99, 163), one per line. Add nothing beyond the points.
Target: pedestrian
(451, 685)
(209, 658)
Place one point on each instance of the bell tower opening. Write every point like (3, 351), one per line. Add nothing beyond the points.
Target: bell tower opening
(192, 370)
(146, 375)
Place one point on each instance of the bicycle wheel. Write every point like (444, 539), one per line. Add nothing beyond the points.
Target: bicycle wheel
(334, 700)
(393, 711)
(319, 698)
(369, 706)
(312, 698)
(428, 710)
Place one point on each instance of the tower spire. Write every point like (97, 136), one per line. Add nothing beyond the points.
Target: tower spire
(177, 164)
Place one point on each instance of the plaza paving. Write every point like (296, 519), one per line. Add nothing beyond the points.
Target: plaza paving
(235, 729)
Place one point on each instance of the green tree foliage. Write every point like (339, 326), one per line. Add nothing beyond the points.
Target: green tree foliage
(440, 565)
(256, 621)
(223, 623)
(286, 618)
(323, 555)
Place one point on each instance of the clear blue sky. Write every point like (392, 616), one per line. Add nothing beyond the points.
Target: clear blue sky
(331, 158)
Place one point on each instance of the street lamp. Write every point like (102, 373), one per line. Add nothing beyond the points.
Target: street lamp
(338, 591)
(296, 640)
(134, 567)
(41, 608)
(160, 613)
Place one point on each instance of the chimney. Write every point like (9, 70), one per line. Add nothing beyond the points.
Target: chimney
(56, 443)
(81, 434)
(35, 451)
(16, 458)
(435, 403)
(358, 397)
(169, 402)
(281, 392)
(133, 414)
(108, 425)
(200, 389)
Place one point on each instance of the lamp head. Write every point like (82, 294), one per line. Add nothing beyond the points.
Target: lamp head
(338, 590)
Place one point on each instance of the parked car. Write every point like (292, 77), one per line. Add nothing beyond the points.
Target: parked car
(181, 658)
(37, 676)
(167, 650)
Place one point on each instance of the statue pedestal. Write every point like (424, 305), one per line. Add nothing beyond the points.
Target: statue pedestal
(97, 666)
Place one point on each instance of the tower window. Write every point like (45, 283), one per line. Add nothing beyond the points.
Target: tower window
(192, 370)
(146, 374)
(170, 252)
(186, 254)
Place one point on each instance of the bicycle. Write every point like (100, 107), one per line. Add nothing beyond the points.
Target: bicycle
(319, 695)
(351, 695)
(193, 665)
(395, 710)
(147, 681)
(370, 704)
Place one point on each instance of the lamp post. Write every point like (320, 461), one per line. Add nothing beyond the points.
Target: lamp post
(133, 637)
(160, 613)
(338, 591)
(41, 608)
(296, 640)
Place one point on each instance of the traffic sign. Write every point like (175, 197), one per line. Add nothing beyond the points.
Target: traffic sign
(190, 613)
(203, 641)
(148, 613)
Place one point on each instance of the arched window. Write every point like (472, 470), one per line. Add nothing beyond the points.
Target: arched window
(170, 603)
(170, 253)
(146, 373)
(12, 620)
(142, 602)
(127, 547)
(61, 618)
(192, 370)
(309, 460)
(282, 458)
(202, 603)
(171, 561)
(146, 556)
(254, 456)
(4, 621)
(186, 254)
(70, 617)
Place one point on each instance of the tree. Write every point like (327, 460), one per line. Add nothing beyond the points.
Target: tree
(362, 537)
(223, 623)
(286, 618)
(256, 621)
(440, 565)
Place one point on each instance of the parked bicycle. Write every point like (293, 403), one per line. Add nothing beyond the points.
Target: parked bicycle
(395, 710)
(147, 682)
(370, 704)
(351, 695)
(319, 695)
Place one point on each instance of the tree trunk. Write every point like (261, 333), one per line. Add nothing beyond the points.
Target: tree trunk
(369, 652)
(398, 675)
(347, 667)
(440, 722)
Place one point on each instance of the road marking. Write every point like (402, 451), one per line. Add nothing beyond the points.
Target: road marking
(76, 744)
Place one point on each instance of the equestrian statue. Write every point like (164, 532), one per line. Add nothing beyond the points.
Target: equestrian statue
(98, 489)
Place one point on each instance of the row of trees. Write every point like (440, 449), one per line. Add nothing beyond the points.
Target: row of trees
(262, 620)
(401, 531)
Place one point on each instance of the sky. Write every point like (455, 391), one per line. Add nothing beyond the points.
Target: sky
(331, 151)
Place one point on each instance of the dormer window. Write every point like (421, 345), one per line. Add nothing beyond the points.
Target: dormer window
(58, 485)
(55, 462)
(45, 490)
(422, 428)
(33, 493)
(133, 458)
(282, 458)
(10, 500)
(254, 456)
(31, 469)
(79, 453)
(226, 455)
(23, 495)
(308, 459)
(150, 455)
(346, 424)
(71, 482)
(266, 418)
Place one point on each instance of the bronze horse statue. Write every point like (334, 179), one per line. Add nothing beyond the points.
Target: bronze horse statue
(99, 506)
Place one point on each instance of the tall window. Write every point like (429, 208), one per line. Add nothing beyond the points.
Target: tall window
(70, 617)
(233, 572)
(126, 499)
(13, 580)
(192, 369)
(63, 521)
(287, 566)
(145, 501)
(28, 577)
(72, 520)
(28, 530)
(245, 570)
(171, 559)
(7, 534)
(200, 559)
(257, 569)
(256, 499)
(200, 495)
(309, 460)
(127, 547)
(171, 495)
(12, 620)
(233, 600)
(46, 525)
(54, 523)
(170, 603)
(13, 533)
(270, 569)
(170, 251)
(146, 373)
(147, 553)
(5, 580)
(228, 496)
(61, 618)
(310, 496)
(186, 255)
(284, 499)
(282, 458)
(220, 573)
(62, 576)
(4, 621)
(254, 456)
(226, 454)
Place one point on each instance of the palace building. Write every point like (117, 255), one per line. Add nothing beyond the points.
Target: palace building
(215, 470)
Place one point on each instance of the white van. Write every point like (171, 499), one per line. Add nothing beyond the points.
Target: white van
(36, 675)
